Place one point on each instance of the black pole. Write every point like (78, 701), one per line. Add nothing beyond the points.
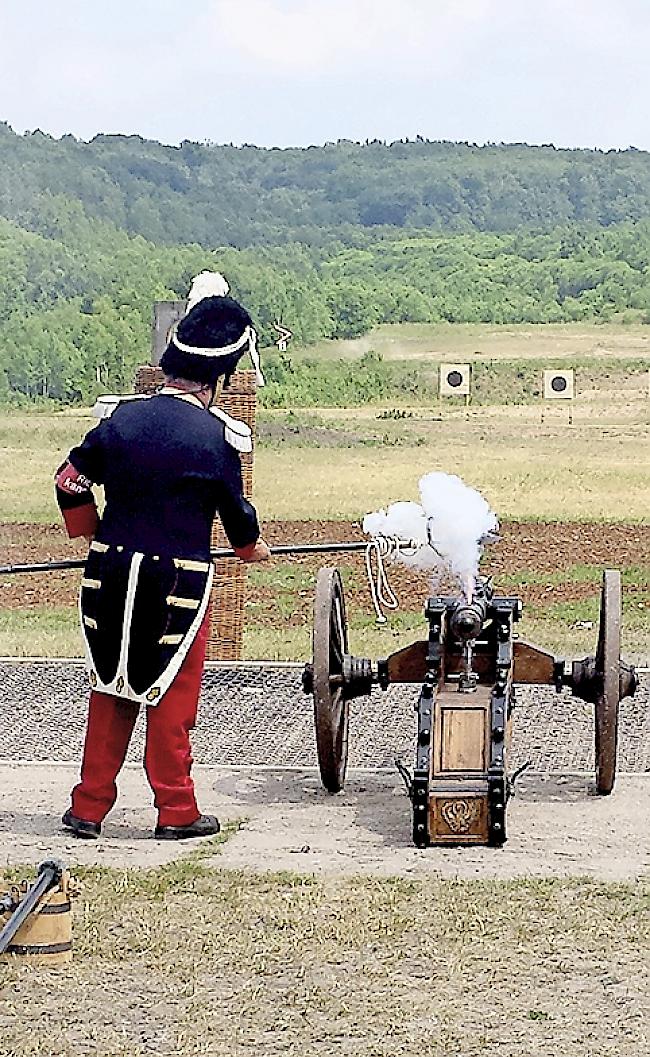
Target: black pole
(49, 875)
(222, 552)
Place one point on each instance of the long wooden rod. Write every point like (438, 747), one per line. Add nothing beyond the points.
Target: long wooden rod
(222, 552)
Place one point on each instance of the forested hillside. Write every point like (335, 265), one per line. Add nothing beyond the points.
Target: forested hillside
(239, 196)
(91, 234)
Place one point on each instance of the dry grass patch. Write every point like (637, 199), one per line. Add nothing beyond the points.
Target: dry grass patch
(189, 960)
(598, 469)
(540, 475)
(449, 342)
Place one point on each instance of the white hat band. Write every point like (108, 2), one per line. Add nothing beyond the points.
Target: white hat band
(249, 337)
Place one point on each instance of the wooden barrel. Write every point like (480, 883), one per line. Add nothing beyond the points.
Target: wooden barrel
(45, 938)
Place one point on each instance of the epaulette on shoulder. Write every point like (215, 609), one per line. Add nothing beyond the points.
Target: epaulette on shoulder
(237, 433)
(105, 405)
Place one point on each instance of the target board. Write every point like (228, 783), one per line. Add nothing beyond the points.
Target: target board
(559, 385)
(455, 379)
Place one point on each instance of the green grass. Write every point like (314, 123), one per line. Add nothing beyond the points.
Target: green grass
(631, 576)
(524, 470)
(568, 628)
(193, 960)
(40, 631)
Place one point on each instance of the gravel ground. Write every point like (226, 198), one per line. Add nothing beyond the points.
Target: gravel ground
(257, 714)
(255, 720)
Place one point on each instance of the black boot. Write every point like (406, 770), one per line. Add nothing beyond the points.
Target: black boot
(81, 828)
(205, 826)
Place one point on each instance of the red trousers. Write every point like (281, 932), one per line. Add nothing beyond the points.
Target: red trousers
(167, 756)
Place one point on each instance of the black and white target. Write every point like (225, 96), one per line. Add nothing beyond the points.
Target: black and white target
(455, 379)
(559, 385)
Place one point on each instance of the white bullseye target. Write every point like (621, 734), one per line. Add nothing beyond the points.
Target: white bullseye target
(559, 385)
(455, 379)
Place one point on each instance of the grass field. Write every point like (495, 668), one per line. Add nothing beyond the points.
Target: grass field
(191, 960)
(565, 627)
(337, 464)
(439, 342)
(340, 464)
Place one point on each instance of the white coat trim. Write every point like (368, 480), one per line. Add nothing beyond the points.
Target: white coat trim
(119, 685)
(173, 668)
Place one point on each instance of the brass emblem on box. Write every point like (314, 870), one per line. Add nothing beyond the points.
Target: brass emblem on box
(460, 815)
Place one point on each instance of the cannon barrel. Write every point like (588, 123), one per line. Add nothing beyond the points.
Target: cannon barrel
(466, 619)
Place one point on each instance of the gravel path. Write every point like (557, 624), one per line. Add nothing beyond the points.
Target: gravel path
(256, 714)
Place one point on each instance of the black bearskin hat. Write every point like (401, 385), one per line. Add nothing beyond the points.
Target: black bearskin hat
(211, 338)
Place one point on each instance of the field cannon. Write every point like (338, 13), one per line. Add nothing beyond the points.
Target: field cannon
(467, 668)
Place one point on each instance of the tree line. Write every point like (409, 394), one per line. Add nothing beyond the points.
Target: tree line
(76, 306)
(330, 240)
(242, 196)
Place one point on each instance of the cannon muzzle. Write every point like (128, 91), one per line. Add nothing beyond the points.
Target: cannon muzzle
(466, 619)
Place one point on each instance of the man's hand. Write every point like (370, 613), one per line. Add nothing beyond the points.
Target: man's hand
(254, 552)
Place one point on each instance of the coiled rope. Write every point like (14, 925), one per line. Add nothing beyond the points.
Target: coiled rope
(382, 549)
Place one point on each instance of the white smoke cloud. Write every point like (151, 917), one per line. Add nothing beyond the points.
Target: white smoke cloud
(452, 522)
(458, 519)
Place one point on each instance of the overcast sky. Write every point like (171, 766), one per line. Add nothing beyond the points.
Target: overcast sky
(285, 72)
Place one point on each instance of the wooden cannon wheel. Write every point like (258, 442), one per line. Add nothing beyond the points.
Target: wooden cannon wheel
(331, 710)
(608, 668)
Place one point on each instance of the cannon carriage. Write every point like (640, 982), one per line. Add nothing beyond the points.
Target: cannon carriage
(467, 669)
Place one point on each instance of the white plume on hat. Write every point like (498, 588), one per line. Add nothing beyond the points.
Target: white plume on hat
(214, 284)
(206, 284)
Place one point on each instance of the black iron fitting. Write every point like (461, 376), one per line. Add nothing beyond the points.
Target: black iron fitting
(383, 675)
(358, 677)
(406, 777)
(511, 779)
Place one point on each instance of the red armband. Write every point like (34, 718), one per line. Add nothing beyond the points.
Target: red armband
(76, 501)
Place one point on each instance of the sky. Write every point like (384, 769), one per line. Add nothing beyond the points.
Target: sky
(297, 72)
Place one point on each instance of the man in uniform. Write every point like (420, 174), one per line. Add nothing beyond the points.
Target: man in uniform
(168, 464)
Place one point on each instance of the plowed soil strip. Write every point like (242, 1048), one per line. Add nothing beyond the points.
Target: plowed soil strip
(546, 549)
